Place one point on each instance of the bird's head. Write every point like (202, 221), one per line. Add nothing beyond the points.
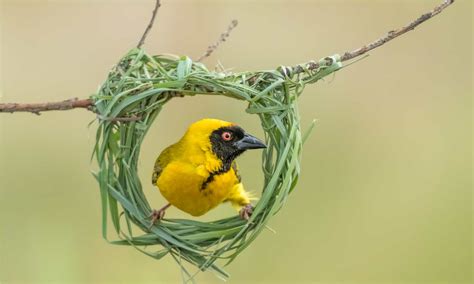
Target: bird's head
(227, 140)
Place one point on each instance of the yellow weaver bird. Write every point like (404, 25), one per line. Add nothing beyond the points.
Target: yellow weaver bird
(199, 172)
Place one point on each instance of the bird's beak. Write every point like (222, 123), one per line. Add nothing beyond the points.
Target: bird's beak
(249, 142)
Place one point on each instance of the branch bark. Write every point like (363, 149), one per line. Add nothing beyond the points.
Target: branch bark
(39, 107)
(150, 24)
(396, 33)
(382, 40)
(87, 103)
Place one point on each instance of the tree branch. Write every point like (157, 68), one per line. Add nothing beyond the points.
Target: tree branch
(396, 33)
(87, 103)
(150, 24)
(380, 41)
(39, 107)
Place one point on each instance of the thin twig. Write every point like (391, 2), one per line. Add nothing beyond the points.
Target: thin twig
(223, 37)
(39, 107)
(381, 41)
(87, 103)
(395, 33)
(150, 24)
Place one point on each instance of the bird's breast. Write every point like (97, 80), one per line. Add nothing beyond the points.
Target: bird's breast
(182, 185)
(220, 185)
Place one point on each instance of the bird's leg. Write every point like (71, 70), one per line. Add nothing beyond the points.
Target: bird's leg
(157, 215)
(246, 211)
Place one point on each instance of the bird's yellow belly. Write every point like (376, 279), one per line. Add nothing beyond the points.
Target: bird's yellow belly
(181, 186)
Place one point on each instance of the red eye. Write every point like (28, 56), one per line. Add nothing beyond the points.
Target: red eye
(227, 136)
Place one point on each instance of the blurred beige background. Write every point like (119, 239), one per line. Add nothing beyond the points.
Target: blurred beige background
(386, 189)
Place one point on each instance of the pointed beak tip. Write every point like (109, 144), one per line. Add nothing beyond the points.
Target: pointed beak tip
(250, 142)
(262, 145)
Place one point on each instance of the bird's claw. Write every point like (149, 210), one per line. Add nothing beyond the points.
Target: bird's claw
(156, 215)
(246, 211)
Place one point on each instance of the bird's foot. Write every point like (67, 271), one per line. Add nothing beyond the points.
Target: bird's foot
(157, 215)
(246, 211)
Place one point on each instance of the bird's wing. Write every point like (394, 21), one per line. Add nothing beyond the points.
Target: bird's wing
(156, 172)
(163, 160)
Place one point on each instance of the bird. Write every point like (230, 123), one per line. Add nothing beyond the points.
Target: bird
(199, 172)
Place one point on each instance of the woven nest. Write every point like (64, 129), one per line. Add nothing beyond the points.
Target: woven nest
(128, 102)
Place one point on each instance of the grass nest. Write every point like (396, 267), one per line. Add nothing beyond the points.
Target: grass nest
(128, 102)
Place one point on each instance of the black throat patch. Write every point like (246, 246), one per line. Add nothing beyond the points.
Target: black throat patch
(224, 150)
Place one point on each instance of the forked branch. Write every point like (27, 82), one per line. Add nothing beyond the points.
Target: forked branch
(87, 103)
